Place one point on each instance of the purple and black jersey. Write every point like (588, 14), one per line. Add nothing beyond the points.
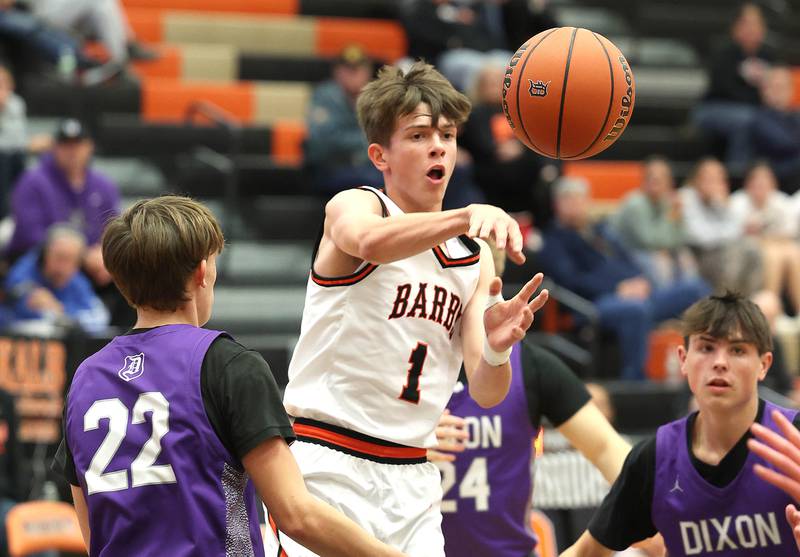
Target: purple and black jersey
(156, 478)
(487, 491)
(746, 517)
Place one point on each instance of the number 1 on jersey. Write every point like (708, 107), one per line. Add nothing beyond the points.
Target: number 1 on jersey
(410, 392)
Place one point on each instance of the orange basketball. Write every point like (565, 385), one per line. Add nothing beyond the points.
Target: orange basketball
(568, 93)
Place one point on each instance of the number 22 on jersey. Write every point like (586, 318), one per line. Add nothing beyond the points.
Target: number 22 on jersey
(143, 468)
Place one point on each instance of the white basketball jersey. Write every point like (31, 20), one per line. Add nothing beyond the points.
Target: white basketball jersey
(380, 350)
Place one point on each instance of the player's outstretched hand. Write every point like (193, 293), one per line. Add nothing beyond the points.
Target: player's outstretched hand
(506, 322)
(782, 451)
(451, 433)
(793, 518)
(493, 224)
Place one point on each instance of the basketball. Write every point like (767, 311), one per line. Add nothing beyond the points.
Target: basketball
(568, 93)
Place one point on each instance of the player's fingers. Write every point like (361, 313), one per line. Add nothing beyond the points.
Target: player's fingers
(515, 255)
(777, 459)
(791, 487)
(474, 227)
(486, 229)
(448, 420)
(436, 456)
(526, 319)
(792, 515)
(495, 286)
(500, 235)
(515, 236)
(787, 428)
(539, 301)
(775, 441)
(530, 287)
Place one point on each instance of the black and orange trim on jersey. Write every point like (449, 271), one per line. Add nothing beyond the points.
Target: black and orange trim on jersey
(276, 532)
(470, 244)
(356, 444)
(359, 275)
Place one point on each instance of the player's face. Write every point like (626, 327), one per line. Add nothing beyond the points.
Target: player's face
(723, 373)
(419, 160)
(205, 296)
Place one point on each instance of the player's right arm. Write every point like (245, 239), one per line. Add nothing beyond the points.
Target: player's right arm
(305, 519)
(353, 223)
(587, 546)
(83, 513)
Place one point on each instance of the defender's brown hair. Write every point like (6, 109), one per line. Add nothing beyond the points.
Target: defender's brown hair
(152, 249)
(394, 94)
(728, 316)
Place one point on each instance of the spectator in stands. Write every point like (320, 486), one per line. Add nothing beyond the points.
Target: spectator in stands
(510, 175)
(460, 36)
(588, 259)
(64, 188)
(727, 259)
(649, 222)
(767, 216)
(46, 284)
(336, 149)
(737, 70)
(102, 18)
(776, 128)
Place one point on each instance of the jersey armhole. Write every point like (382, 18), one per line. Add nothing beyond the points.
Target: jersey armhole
(362, 271)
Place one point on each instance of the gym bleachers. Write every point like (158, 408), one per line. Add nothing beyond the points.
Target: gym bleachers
(258, 61)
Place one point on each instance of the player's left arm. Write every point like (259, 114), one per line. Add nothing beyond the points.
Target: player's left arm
(589, 432)
(497, 327)
(83, 513)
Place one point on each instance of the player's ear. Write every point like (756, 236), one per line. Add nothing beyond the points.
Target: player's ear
(200, 274)
(376, 153)
(766, 362)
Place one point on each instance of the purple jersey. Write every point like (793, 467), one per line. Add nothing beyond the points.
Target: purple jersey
(695, 517)
(156, 478)
(487, 490)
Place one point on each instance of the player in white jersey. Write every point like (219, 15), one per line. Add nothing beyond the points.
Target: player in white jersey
(399, 295)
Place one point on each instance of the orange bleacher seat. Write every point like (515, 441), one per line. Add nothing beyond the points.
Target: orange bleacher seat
(608, 180)
(169, 64)
(282, 7)
(287, 142)
(382, 39)
(662, 353)
(147, 25)
(169, 99)
(796, 79)
(37, 526)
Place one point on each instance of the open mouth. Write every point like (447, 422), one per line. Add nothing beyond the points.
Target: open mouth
(436, 173)
(718, 382)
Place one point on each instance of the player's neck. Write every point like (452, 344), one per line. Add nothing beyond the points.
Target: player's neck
(406, 203)
(716, 432)
(185, 315)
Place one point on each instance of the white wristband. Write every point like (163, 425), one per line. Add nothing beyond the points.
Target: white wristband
(492, 357)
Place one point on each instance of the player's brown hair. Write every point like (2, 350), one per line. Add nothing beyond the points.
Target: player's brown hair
(728, 316)
(393, 94)
(153, 248)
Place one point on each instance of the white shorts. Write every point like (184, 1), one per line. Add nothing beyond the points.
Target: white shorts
(397, 503)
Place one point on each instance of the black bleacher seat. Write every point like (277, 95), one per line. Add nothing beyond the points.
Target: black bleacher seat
(256, 175)
(638, 142)
(47, 97)
(259, 67)
(292, 218)
(381, 9)
(642, 406)
(121, 135)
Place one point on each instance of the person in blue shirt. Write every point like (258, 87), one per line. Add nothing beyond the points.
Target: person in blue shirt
(47, 284)
(589, 259)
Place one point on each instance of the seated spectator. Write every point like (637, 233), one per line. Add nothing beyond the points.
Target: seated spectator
(588, 259)
(776, 128)
(727, 259)
(46, 284)
(64, 188)
(650, 224)
(767, 216)
(104, 19)
(459, 36)
(509, 174)
(336, 148)
(737, 70)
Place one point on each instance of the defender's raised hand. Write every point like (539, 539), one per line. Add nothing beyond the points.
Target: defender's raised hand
(782, 451)
(506, 322)
(490, 223)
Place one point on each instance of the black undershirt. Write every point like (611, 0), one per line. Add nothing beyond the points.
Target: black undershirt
(241, 399)
(625, 516)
